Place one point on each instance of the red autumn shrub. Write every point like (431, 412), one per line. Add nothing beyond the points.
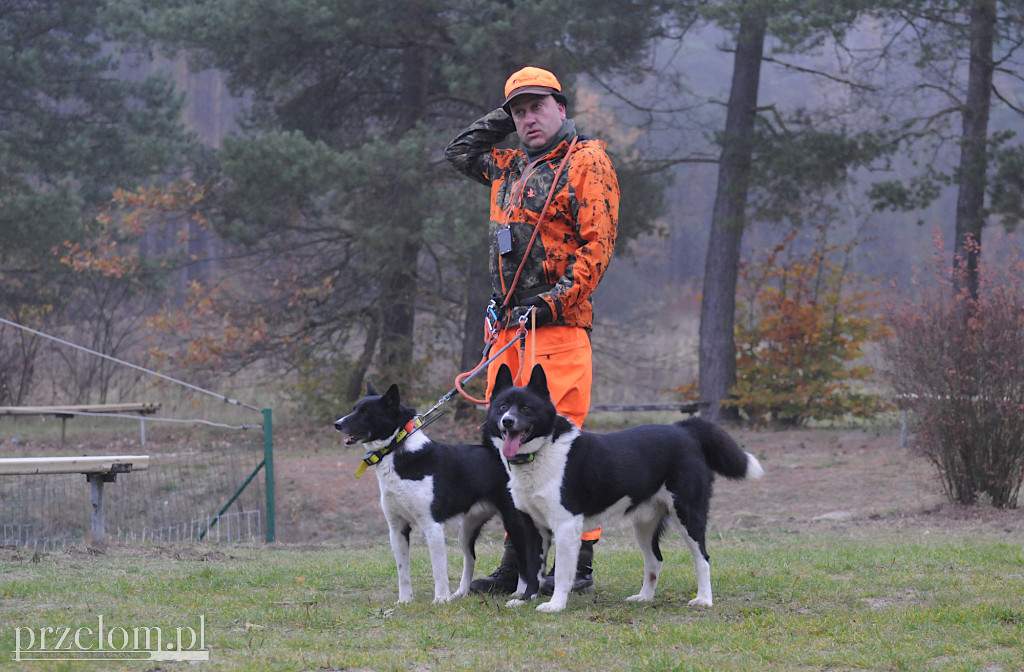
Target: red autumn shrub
(957, 364)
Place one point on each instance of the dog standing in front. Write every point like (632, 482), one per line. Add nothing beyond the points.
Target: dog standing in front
(569, 480)
(424, 484)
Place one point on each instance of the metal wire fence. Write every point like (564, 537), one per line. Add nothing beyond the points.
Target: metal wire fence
(178, 498)
(200, 482)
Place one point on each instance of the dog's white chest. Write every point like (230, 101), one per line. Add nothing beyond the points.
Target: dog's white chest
(542, 503)
(537, 487)
(404, 499)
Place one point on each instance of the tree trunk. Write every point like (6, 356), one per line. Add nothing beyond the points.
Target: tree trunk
(354, 387)
(970, 202)
(398, 306)
(721, 266)
(478, 287)
(400, 287)
(478, 293)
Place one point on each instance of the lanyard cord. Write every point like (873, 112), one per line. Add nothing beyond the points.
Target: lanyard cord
(540, 221)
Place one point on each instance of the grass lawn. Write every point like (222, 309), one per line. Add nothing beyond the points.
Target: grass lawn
(784, 600)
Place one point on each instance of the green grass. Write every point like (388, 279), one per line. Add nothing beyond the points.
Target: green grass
(782, 602)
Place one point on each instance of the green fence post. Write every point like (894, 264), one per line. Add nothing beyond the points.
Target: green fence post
(268, 470)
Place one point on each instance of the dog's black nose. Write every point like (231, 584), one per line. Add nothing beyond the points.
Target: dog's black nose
(337, 425)
(508, 423)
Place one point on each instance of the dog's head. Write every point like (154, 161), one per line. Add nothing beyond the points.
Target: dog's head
(517, 415)
(375, 417)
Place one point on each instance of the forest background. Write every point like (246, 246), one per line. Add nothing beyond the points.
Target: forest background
(252, 193)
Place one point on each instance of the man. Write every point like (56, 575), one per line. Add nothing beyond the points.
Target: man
(565, 182)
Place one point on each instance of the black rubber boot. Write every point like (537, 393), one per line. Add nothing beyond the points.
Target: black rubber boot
(505, 579)
(584, 580)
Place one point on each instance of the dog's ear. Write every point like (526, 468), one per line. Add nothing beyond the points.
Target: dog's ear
(391, 397)
(502, 380)
(539, 382)
(371, 391)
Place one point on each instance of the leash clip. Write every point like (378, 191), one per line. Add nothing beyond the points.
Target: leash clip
(525, 316)
(492, 319)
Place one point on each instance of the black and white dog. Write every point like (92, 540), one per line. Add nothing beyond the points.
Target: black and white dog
(569, 480)
(424, 484)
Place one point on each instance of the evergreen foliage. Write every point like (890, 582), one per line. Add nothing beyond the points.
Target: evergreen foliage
(968, 55)
(343, 239)
(72, 129)
(338, 178)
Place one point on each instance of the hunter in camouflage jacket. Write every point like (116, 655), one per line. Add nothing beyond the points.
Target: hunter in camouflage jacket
(578, 233)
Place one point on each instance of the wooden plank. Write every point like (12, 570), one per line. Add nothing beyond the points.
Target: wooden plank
(145, 408)
(79, 464)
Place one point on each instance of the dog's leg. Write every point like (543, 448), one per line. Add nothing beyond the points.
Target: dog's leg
(434, 532)
(545, 551)
(400, 548)
(469, 531)
(528, 543)
(648, 533)
(703, 570)
(567, 551)
(692, 515)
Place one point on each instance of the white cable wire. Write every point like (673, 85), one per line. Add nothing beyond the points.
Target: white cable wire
(132, 366)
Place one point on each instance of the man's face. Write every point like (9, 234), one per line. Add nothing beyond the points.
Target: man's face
(537, 118)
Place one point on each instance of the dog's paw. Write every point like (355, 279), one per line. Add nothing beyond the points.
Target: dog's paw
(514, 602)
(640, 597)
(700, 602)
(404, 600)
(550, 607)
(442, 599)
(459, 594)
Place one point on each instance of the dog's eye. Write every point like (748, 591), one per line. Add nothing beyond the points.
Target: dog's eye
(503, 407)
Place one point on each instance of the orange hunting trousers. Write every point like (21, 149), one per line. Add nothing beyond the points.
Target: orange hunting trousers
(566, 356)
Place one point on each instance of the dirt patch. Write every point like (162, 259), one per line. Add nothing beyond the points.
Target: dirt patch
(320, 499)
(851, 479)
(856, 480)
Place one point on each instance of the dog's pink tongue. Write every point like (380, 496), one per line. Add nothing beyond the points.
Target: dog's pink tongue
(511, 445)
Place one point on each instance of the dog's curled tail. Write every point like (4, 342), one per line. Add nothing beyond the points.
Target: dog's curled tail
(721, 452)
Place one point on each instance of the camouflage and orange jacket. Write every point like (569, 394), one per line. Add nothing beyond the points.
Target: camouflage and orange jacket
(577, 237)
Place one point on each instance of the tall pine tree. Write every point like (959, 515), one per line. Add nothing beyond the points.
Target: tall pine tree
(339, 172)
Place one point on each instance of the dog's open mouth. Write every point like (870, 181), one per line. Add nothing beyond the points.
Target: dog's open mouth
(511, 442)
(355, 438)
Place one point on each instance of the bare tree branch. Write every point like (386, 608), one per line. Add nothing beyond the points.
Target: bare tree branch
(820, 73)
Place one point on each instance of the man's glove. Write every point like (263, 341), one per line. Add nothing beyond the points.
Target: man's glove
(542, 315)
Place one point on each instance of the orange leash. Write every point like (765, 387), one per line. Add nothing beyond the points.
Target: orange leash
(490, 338)
(462, 378)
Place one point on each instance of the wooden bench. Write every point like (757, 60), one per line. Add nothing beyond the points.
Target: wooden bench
(97, 469)
(64, 412)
